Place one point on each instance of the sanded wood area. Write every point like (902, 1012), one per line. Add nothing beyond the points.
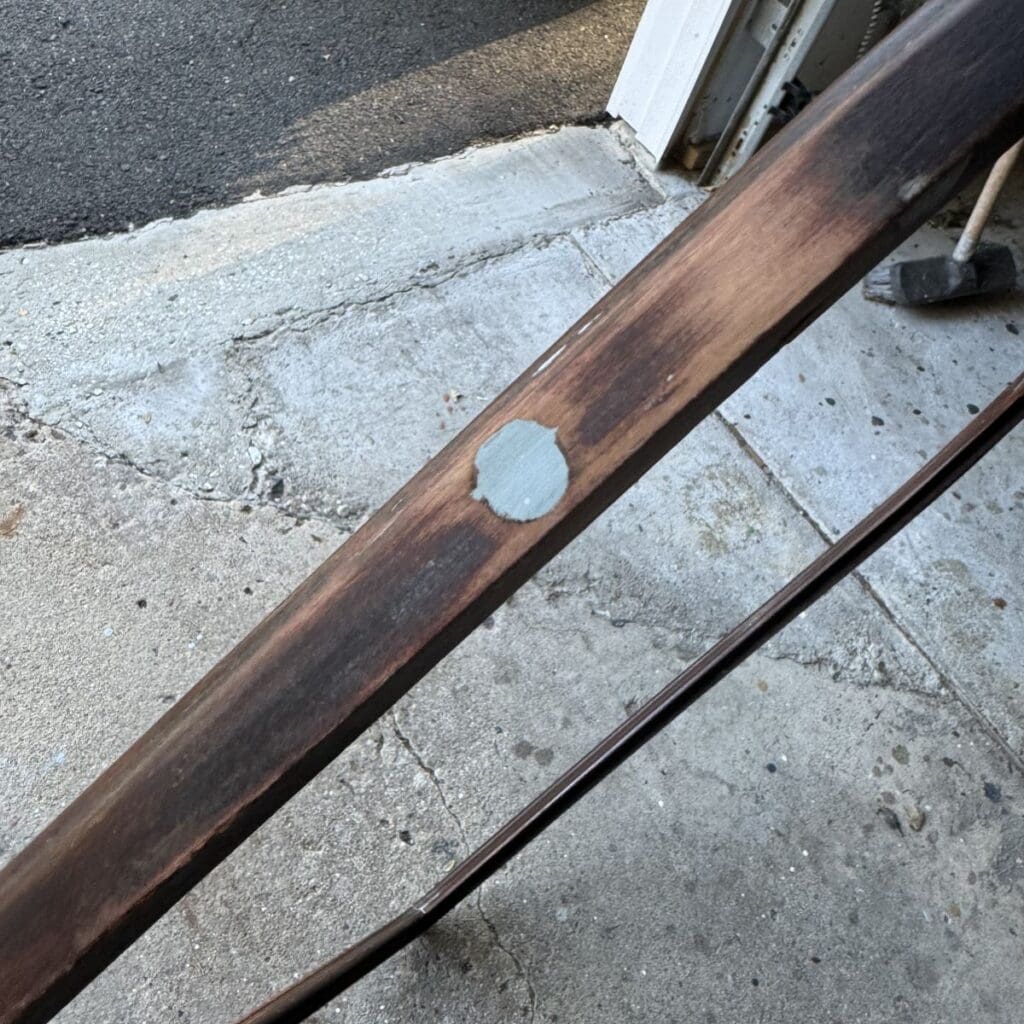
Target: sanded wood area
(862, 167)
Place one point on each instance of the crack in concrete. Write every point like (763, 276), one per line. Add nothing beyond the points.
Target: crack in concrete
(291, 320)
(796, 658)
(946, 681)
(432, 277)
(303, 321)
(987, 725)
(690, 645)
(517, 963)
(627, 143)
(253, 425)
(852, 675)
(15, 409)
(430, 774)
(590, 265)
(18, 412)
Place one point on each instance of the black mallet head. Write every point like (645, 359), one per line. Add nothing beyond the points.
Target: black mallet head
(939, 278)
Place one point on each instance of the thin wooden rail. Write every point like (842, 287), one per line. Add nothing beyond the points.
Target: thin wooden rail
(835, 192)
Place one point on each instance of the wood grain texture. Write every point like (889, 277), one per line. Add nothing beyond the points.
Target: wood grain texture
(834, 193)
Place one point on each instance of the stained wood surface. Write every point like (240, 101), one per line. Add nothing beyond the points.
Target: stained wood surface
(863, 166)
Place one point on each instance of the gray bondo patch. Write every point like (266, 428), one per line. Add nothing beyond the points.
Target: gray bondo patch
(521, 472)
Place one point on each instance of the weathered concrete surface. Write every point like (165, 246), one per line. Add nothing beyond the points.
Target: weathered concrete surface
(166, 344)
(851, 408)
(833, 834)
(888, 388)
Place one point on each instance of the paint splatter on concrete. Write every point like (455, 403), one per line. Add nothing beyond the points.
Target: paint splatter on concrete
(11, 521)
(993, 792)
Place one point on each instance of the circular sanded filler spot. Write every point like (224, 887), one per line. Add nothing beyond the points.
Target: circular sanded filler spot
(521, 472)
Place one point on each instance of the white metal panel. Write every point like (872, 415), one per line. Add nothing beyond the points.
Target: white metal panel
(706, 72)
(672, 51)
(801, 38)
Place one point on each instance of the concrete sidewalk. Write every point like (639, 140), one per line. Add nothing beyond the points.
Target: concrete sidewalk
(192, 416)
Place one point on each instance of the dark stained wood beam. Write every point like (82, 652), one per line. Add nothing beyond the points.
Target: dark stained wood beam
(862, 167)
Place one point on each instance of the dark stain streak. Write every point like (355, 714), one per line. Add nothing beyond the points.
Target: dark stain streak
(627, 387)
(891, 818)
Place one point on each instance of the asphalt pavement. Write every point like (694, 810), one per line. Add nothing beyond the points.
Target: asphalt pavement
(119, 112)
